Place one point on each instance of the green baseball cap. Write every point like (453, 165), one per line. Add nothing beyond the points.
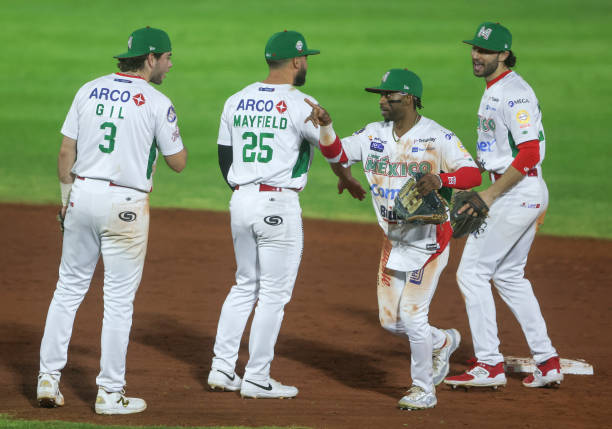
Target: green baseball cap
(400, 80)
(492, 36)
(287, 44)
(145, 41)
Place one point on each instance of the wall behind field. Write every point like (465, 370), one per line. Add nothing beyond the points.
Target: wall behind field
(54, 47)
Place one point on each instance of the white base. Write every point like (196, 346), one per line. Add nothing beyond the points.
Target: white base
(568, 366)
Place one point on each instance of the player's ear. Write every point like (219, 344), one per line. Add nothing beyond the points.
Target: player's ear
(503, 56)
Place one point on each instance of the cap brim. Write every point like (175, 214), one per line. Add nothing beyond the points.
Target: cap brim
(312, 52)
(124, 55)
(476, 42)
(378, 89)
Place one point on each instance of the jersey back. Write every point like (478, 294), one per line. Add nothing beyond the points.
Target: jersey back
(271, 144)
(119, 123)
(509, 114)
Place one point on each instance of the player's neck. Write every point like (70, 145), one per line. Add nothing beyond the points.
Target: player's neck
(501, 69)
(405, 124)
(139, 73)
(279, 77)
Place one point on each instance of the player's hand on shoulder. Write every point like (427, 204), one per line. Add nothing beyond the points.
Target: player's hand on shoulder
(318, 116)
(353, 186)
(428, 183)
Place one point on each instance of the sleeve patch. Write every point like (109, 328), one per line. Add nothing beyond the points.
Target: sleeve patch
(171, 115)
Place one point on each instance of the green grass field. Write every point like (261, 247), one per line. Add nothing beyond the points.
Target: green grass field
(218, 49)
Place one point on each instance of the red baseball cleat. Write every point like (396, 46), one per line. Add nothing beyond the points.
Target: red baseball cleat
(547, 373)
(479, 375)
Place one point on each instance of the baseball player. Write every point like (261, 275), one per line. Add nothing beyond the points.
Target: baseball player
(511, 148)
(265, 150)
(112, 133)
(413, 256)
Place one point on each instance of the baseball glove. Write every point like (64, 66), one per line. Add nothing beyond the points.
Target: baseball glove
(464, 223)
(413, 208)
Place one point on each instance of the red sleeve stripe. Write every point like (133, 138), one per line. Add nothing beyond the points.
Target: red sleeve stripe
(464, 178)
(528, 156)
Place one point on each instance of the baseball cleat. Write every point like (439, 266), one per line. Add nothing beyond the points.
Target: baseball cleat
(270, 390)
(118, 403)
(479, 375)
(221, 380)
(546, 374)
(441, 356)
(47, 391)
(417, 399)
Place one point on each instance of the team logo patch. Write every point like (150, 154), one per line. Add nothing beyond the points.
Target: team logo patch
(299, 45)
(461, 147)
(127, 216)
(522, 117)
(130, 42)
(485, 32)
(171, 115)
(273, 220)
(281, 106)
(139, 99)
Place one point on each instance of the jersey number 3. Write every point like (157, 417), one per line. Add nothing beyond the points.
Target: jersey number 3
(249, 150)
(110, 137)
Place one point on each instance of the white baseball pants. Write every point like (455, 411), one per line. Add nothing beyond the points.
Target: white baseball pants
(93, 226)
(403, 307)
(268, 242)
(499, 253)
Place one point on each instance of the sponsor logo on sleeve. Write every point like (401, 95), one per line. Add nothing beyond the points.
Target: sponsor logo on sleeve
(176, 134)
(522, 117)
(512, 103)
(265, 89)
(461, 147)
(359, 131)
(171, 115)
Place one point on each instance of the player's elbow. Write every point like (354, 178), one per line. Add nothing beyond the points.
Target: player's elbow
(178, 161)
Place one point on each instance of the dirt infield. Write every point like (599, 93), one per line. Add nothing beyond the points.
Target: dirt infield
(350, 371)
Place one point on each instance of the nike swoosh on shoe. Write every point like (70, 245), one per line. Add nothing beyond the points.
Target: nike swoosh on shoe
(269, 387)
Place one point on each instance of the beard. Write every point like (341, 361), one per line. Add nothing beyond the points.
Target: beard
(487, 69)
(156, 78)
(300, 77)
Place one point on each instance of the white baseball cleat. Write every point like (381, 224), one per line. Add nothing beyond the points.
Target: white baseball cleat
(47, 391)
(441, 356)
(418, 399)
(221, 380)
(118, 403)
(546, 374)
(479, 375)
(271, 390)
